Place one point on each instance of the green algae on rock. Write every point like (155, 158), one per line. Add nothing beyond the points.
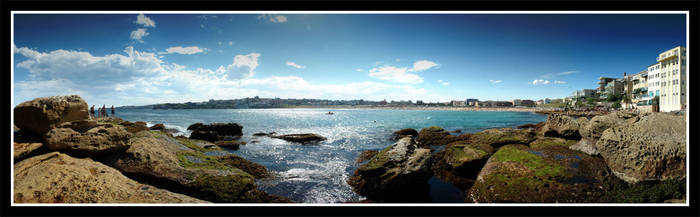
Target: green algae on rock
(516, 173)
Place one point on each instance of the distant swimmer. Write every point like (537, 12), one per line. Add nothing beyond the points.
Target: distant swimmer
(330, 113)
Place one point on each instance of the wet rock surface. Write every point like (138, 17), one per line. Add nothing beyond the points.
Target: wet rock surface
(398, 173)
(516, 173)
(215, 131)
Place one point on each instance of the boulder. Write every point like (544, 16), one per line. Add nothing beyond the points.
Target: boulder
(59, 178)
(398, 173)
(585, 145)
(25, 150)
(595, 127)
(559, 125)
(134, 127)
(79, 125)
(179, 165)
(230, 144)
(434, 135)
(215, 131)
(303, 138)
(546, 142)
(404, 132)
(653, 148)
(459, 163)
(157, 127)
(491, 139)
(555, 174)
(43, 114)
(97, 140)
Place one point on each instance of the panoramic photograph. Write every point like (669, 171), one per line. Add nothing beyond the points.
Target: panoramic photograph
(349, 108)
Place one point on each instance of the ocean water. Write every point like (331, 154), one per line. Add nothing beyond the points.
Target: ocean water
(318, 173)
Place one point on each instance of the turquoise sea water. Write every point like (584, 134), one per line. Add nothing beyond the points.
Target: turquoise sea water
(318, 173)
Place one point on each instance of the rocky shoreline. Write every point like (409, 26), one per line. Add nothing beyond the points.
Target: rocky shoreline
(62, 155)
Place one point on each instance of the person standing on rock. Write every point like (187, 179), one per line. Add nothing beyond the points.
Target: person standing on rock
(112, 110)
(104, 110)
(92, 111)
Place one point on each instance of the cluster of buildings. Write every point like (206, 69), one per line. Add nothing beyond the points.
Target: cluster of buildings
(666, 78)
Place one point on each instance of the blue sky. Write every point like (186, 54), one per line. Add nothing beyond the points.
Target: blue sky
(137, 59)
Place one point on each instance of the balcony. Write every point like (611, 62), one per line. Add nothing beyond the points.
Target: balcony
(666, 56)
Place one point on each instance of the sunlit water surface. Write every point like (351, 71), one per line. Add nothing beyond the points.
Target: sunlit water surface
(318, 173)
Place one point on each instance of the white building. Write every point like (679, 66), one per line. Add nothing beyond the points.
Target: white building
(667, 79)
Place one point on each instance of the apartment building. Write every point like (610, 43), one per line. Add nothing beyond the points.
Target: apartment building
(609, 86)
(670, 79)
(636, 88)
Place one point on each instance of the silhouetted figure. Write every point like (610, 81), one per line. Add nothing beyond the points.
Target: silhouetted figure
(112, 110)
(92, 112)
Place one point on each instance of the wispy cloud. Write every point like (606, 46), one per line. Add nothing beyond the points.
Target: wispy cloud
(293, 64)
(560, 82)
(183, 50)
(567, 72)
(444, 83)
(422, 65)
(145, 21)
(495, 81)
(273, 18)
(138, 34)
(554, 74)
(540, 81)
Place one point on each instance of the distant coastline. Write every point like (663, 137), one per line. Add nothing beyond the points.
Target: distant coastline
(427, 108)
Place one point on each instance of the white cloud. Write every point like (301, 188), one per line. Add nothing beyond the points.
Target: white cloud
(243, 66)
(230, 43)
(183, 50)
(273, 18)
(444, 83)
(422, 65)
(84, 68)
(293, 64)
(551, 75)
(540, 81)
(219, 43)
(560, 82)
(358, 70)
(391, 73)
(139, 34)
(402, 75)
(137, 78)
(145, 21)
(495, 81)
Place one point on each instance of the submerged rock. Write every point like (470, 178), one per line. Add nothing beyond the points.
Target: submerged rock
(399, 173)
(652, 148)
(304, 138)
(230, 144)
(96, 140)
(59, 178)
(43, 114)
(404, 132)
(516, 173)
(215, 131)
